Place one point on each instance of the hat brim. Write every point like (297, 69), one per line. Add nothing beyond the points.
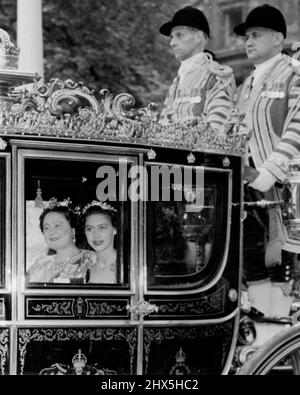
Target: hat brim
(240, 30)
(166, 28)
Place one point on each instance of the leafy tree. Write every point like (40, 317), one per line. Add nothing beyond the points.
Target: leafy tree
(112, 44)
(8, 16)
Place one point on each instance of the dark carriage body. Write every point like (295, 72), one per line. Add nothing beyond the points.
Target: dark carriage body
(174, 308)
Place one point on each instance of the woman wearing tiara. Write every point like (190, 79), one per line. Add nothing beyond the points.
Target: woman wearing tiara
(99, 224)
(67, 263)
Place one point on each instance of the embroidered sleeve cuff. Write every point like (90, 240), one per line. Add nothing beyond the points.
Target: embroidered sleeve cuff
(278, 165)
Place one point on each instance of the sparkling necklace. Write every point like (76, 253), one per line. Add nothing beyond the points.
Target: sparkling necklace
(103, 263)
(61, 266)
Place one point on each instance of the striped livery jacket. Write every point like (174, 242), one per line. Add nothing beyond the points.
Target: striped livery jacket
(272, 114)
(206, 93)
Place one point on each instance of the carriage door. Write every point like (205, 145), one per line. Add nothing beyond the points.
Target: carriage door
(186, 315)
(73, 327)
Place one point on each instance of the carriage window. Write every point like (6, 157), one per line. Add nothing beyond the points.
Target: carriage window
(186, 239)
(72, 238)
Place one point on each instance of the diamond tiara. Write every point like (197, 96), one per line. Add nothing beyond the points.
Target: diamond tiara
(53, 202)
(102, 205)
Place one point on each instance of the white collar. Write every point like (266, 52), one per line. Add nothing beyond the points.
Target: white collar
(187, 64)
(261, 68)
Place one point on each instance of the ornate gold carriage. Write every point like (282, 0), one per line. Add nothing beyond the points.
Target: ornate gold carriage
(174, 308)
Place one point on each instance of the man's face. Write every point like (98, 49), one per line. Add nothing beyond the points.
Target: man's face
(261, 44)
(185, 42)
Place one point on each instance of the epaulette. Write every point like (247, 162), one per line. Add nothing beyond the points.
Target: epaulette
(220, 71)
(293, 62)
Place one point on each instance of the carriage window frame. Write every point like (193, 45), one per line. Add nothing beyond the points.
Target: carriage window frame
(5, 224)
(125, 262)
(213, 279)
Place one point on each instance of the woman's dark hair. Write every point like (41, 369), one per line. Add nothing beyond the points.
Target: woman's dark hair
(65, 211)
(98, 210)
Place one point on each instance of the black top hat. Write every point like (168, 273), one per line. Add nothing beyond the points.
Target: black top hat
(187, 16)
(263, 16)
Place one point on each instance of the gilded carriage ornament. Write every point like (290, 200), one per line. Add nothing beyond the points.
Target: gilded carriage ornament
(143, 308)
(66, 109)
(180, 367)
(291, 196)
(79, 368)
(151, 154)
(80, 307)
(9, 52)
(226, 162)
(3, 144)
(10, 78)
(191, 158)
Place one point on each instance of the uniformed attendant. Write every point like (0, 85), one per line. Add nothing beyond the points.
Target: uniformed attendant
(202, 89)
(269, 100)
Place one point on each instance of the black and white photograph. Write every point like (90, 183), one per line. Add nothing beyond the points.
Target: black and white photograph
(149, 190)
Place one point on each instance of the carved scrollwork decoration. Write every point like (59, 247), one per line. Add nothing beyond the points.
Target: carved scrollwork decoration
(10, 47)
(46, 90)
(185, 333)
(26, 335)
(106, 99)
(66, 100)
(63, 308)
(122, 104)
(4, 340)
(68, 109)
(62, 102)
(9, 52)
(66, 96)
(206, 305)
(148, 114)
(96, 309)
(75, 307)
(24, 339)
(23, 110)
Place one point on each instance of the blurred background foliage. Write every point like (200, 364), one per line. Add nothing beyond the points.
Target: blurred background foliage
(113, 44)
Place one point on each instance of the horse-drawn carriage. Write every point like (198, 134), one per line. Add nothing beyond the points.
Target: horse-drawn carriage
(174, 306)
